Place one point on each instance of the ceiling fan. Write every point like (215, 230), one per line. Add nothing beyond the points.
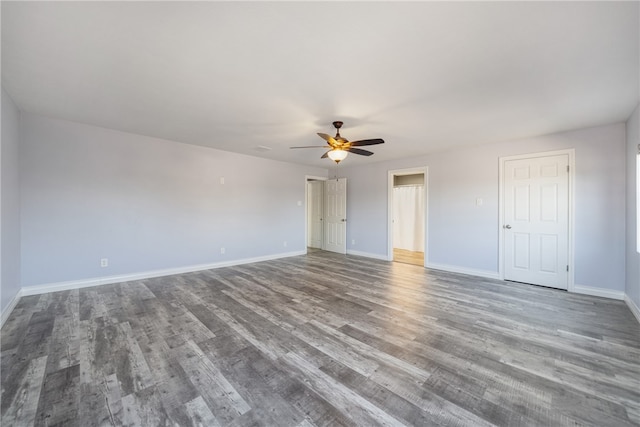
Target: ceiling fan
(339, 147)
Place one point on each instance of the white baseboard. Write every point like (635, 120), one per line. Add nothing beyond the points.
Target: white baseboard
(463, 270)
(367, 255)
(598, 292)
(97, 281)
(632, 306)
(12, 304)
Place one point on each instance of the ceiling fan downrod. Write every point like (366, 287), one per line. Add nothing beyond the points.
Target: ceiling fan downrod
(337, 124)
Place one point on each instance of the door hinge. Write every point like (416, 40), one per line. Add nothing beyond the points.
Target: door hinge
(567, 268)
(567, 168)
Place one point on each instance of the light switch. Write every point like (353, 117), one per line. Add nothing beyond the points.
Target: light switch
(479, 201)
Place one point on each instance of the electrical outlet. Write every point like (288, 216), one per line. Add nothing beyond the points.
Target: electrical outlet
(222, 180)
(285, 243)
(222, 250)
(353, 242)
(104, 262)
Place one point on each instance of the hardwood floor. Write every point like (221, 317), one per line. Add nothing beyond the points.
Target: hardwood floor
(324, 340)
(408, 257)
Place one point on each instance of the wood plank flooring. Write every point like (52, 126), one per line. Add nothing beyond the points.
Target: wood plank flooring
(320, 340)
(408, 257)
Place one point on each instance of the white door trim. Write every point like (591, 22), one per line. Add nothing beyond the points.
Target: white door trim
(571, 245)
(410, 171)
(306, 208)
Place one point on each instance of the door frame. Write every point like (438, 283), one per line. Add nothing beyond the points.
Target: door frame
(409, 171)
(571, 220)
(306, 209)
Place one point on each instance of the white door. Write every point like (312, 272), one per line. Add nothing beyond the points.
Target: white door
(315, 214)
(536, 220)
(335, 218)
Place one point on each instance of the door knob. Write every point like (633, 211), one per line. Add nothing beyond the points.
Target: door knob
(508, 227)
(343, 220)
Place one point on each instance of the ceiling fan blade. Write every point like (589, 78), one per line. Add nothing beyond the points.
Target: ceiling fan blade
(359, 151)
(325, 155)
(312, 146)
(329, 139)
(367, 142)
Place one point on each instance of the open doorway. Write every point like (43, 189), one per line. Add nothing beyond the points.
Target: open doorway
(315, 196)
(407, 214)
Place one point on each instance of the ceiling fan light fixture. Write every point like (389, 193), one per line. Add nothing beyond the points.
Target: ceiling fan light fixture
(339, 147)
(337, 155)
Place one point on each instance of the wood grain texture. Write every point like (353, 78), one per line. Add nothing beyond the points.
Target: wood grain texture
(320, 340)
(408, 257)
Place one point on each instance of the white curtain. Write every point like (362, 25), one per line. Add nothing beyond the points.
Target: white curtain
(408, 217)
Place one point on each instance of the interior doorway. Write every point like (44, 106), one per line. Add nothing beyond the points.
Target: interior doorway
(315, 195)
(408, 216)
(326, 214)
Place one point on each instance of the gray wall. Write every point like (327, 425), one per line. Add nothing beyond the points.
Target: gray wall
(465, 236)
(9, 203)
(147, 204)
(633, 258)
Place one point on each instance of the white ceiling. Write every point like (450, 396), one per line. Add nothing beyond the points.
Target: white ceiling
(237, 75)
